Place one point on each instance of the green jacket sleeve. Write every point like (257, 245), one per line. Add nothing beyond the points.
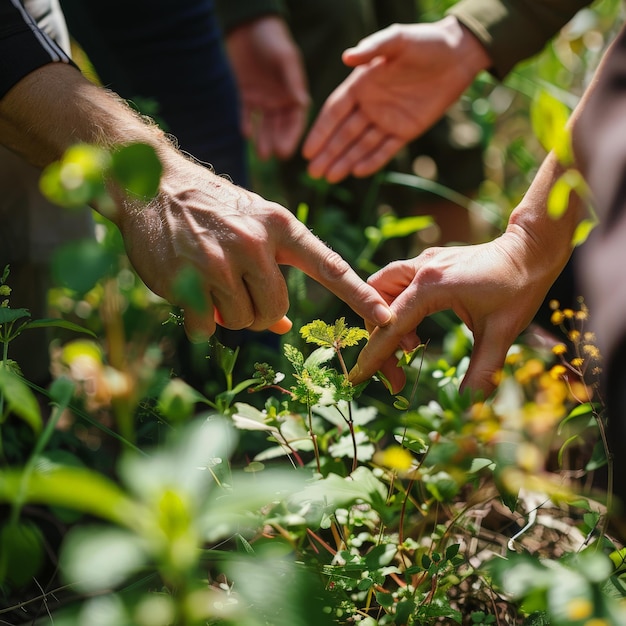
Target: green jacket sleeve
(513, 30)
(231, 13)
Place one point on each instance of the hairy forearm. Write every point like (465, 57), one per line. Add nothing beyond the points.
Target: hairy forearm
(55, 107)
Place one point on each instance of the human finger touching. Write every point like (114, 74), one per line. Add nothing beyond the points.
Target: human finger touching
(302, 249)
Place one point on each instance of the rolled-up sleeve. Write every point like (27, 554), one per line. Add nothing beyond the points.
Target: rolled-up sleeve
(23, 47)
(513, 30)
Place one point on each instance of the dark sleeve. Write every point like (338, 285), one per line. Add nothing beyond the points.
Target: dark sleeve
(513, 30)
(234, 12)
(23, 47)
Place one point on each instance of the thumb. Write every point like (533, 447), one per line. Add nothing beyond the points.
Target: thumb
(383, 43)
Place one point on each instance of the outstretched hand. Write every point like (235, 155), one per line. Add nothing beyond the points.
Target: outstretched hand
(405, 79)
(490, 286)
(234, 241)
(272, 84)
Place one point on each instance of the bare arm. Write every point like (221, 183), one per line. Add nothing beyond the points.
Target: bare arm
(233, 238)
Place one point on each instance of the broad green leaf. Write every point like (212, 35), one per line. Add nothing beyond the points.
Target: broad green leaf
(97, 558)
(79, 265)
(10, 315)
(21, 552)
(336, 491)
(74, 488)
(598, 458)
(582, 410)
(138, 169)
(337, 336)
(20, 399)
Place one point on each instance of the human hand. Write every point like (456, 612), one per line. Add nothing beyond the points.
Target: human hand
(495, 288)
(406, 77)
(234, 240)
(272, 83)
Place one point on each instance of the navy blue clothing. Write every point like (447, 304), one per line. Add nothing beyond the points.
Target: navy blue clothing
(172, 54)
(23, 47)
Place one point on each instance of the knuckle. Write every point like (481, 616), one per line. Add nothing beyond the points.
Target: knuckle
(333, 267)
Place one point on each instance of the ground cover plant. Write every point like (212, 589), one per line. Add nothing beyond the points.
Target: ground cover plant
(277, 493)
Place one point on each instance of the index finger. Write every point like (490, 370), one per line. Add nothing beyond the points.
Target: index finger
(305, 251)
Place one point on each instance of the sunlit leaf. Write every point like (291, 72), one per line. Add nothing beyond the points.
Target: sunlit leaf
(549, 119)
(79, 265)
(19, 399)
(583, 230)
(75, 488)
(558, 198)
(97, 558)
(391, 226)
(138, 168)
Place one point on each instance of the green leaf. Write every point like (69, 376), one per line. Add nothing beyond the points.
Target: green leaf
(391, 226)
(558, 198)
(549, 121)
(74, 488)
(384, 599)
(586, 409)
(337, 336)
(598, 458)
(401, 403)
(97, 558)
(79, 265)
(10, 315)
(21, 552)
(57, 323)
(583, 230)
(138, 169)
(20, 399)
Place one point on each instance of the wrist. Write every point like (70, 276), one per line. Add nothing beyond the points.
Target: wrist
(468, 49)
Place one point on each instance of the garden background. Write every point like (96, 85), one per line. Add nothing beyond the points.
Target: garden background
(262, 488)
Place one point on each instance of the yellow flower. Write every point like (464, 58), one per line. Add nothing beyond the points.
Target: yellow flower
(579, 608)
(568, 313)
(557, 317)
(577, 362)
(395, 457)
(554, 304)
(557, 371)
(592, 351)
(559, 348)
(574, 335)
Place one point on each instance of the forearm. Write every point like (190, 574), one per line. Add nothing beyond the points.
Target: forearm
(55, 107)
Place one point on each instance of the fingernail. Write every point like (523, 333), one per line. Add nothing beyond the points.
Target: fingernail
(382, 314)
